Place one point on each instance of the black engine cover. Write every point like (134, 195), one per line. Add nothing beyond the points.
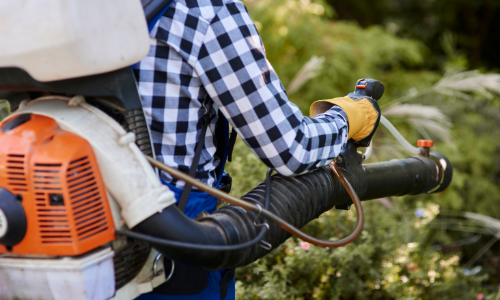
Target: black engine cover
(12, 219)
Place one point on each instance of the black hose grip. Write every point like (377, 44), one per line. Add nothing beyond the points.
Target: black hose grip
(369, 87)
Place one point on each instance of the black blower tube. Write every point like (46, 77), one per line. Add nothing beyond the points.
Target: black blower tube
(298, 200)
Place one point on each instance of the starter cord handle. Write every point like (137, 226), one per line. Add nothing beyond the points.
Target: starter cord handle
(264, 212)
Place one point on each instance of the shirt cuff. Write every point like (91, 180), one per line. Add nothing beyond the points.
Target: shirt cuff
(334, 113)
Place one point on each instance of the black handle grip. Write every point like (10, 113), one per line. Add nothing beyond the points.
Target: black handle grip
(372, 90)
(368, 87)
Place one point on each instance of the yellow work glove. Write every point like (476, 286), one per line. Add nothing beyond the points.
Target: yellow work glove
(363, 112)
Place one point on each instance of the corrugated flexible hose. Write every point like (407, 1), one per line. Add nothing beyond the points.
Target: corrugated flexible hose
(231, 236)
(284, 187)
(284, 196)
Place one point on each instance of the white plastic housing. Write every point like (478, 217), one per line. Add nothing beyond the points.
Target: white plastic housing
(88, 277)
(61, 39)
(3, 223)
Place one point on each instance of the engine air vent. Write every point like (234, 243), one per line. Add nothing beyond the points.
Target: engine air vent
(16, 176)
(53, 220)
(85, 199)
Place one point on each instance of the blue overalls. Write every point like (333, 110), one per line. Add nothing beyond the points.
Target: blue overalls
(198, 202)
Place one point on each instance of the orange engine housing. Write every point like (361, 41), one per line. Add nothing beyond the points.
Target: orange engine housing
(63, 195)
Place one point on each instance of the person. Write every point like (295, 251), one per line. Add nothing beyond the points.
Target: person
(207, 57)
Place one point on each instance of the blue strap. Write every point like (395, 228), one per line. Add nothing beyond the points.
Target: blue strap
(155, 20)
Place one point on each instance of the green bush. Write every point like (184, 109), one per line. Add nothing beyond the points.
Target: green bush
(4, 109)
(394, 258)
(293, 31)
(390, 260)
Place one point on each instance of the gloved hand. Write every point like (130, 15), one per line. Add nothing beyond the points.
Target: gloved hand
(363, 112)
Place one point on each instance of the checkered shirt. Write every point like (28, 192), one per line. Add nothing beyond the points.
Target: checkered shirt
(210, 50)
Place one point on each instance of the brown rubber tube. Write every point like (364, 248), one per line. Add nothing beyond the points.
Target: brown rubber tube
(269, 215)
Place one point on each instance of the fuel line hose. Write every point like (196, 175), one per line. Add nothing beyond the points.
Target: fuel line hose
(231, 237)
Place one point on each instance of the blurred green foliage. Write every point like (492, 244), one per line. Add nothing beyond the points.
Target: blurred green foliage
(388, 261)
(293, 32)
(471, 26)
(4, 109)
(398, 255)
(392, 259)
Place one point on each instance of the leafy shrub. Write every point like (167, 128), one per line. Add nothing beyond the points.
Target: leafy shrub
(4, 109)
(390, 260)
(395, 257)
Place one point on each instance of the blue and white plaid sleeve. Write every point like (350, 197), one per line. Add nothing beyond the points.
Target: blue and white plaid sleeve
(233, 69)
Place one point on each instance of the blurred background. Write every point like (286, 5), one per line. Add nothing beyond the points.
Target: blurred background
(438, 60)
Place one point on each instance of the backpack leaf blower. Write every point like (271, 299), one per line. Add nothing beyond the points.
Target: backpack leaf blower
(83, 214)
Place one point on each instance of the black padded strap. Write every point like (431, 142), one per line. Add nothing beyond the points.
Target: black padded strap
(224, 283)
(230, 146)
(196, 159)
